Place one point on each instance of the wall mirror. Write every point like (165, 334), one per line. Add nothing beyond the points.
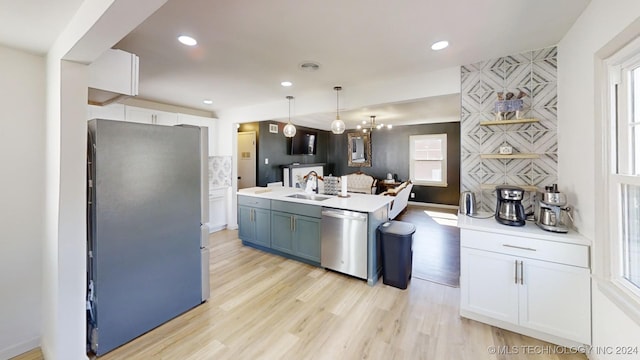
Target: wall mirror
(359, 150)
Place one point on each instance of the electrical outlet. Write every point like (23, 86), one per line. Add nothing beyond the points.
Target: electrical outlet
(413, 195)
(266, 161)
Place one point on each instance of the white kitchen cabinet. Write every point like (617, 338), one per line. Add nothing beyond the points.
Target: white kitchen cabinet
(209, 123)
(115, 71)
(108, 112)
(487, 284)
(566, 311)
(529, 285)
(149, 116)
(195, 120)
(217, 209)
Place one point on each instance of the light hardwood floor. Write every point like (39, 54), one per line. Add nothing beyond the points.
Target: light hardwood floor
(267, 307)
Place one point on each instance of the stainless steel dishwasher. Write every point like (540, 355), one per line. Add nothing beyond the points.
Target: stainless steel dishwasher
(344, 242)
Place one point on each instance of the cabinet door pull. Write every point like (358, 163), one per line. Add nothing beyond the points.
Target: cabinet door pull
(519, 247)
(294, 223)
(521, 273)
(515, 279)
(251, 216)
(291, 223)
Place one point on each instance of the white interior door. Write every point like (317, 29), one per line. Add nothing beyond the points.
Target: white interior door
(246, 159)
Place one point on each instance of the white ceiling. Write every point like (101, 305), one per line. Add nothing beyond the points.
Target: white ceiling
(33, 25)
(247, 47)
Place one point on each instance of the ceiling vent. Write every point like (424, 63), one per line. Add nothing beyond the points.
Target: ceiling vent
(309, 66)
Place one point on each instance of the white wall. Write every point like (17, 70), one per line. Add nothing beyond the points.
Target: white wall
(97, 25)
(601, 22)
(21, 192)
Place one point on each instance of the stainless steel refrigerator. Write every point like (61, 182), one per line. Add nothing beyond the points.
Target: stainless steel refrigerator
(146, 243)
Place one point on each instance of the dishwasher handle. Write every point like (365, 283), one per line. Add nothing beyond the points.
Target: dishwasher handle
(344, 215)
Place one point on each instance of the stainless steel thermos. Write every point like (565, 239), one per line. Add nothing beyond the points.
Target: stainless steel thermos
(467, 203)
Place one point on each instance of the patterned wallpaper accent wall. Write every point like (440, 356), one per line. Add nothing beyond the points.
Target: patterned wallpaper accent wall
(534, 73)
(219, 171)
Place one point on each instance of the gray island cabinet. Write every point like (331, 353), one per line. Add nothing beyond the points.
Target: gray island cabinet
(295, 229)
(271, 221)
(254, 220)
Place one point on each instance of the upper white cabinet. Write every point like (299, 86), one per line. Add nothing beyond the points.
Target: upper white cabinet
(149, 116)
(115, 71)
(108, 112)
(136, 114)
(195, 120)
(209, 123)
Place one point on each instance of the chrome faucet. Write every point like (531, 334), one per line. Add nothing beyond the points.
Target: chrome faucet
(312, 181)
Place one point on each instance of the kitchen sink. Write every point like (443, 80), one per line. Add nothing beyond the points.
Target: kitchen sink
(308, 197)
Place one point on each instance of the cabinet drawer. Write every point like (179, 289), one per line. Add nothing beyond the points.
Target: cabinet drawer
(298, 209)
(254, 202)
(558, 252)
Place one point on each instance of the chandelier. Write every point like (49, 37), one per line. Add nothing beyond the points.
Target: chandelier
(371, 124)
(337, 125)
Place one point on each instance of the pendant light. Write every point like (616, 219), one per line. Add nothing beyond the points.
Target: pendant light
(289, 130)
(337, 125)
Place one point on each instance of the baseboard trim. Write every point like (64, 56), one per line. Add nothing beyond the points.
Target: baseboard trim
(213, 229)
(572, 344)
(443, 206)
(20, 348)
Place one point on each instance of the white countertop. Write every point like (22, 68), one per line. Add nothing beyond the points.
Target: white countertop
(355, 202)
(530, 230)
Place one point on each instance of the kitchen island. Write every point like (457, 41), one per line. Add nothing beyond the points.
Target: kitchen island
(273, 220)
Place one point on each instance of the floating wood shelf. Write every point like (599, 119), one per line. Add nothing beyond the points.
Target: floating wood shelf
(507, 122)
(510, 156)
(493, 187)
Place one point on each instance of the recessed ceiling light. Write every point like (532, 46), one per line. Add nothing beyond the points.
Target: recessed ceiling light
(286, 83)
(187, 40)
(207, 101)
(439, 45)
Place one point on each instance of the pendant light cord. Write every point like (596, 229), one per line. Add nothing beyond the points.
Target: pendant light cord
(289, 98)
(337, 104)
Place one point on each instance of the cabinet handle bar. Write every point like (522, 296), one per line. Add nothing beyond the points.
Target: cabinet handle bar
(519, 247)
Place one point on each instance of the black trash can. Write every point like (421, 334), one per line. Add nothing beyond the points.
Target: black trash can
(396, 242)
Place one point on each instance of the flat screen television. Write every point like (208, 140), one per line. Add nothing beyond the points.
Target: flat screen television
(303, 143)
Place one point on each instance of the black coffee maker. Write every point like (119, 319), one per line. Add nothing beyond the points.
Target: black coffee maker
(509, 209)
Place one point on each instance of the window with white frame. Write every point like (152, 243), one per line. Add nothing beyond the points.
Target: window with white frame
(428, 159)
(623, 170)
